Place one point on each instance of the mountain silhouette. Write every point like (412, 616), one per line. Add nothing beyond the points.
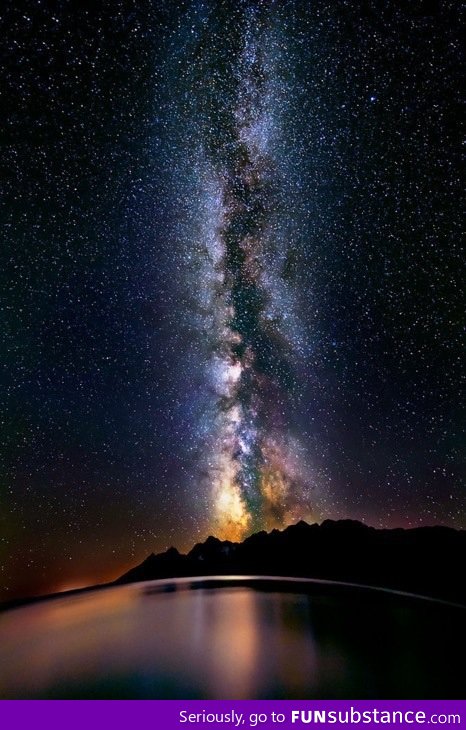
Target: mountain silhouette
(423, 560)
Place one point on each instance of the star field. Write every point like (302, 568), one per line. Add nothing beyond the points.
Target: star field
(232, 275)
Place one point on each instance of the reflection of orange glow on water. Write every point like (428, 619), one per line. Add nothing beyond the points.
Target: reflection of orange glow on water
(230, 636)
(43, 638)
(84, 608)
(217, 639)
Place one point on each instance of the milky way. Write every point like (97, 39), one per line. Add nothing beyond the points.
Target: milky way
(253, 464)
(233, 278)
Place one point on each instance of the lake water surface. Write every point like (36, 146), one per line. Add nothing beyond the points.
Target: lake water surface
(232, 638)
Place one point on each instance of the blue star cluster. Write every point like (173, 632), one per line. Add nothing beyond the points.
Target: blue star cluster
(232, 275)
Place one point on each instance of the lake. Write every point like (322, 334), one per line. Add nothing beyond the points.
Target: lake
(231, 638)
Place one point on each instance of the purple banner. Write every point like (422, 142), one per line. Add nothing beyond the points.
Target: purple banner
(200, 715)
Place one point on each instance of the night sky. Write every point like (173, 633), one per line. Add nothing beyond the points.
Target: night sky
(232, 283)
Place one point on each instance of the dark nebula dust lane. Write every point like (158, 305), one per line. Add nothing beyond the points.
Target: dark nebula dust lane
(232, 276)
